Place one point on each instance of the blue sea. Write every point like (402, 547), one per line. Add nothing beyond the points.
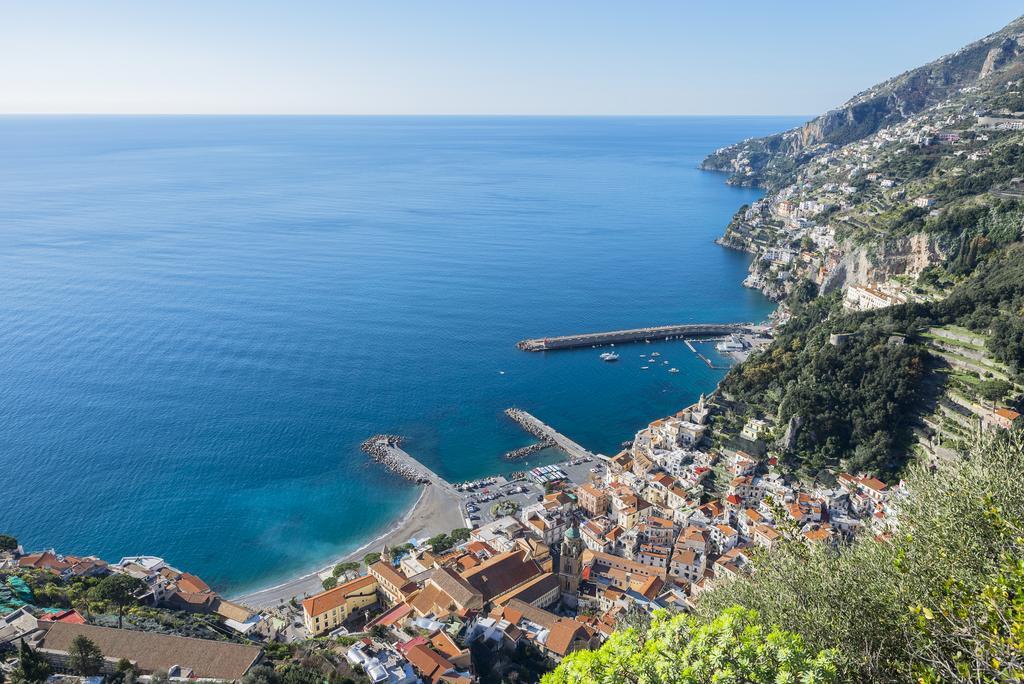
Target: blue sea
(201, 318)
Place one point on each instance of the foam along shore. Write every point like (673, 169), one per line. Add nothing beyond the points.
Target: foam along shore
(438, 509)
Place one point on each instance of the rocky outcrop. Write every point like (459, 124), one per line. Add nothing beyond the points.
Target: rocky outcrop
(877, 263)
(1002, 54)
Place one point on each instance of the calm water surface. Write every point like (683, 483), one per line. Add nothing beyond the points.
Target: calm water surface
(202, 318)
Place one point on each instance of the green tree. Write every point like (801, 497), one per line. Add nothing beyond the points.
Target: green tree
(460, 534)
(32, 667)
(400, 551)
(682, 649)
(958, 535)
(124, 672)
(975, 635)
(8, 543)
(84, 657)
(120, 590)
(342, 568)
(994, 390)
(371, 558)
(330, 583)
(440, 542)
(261, 674)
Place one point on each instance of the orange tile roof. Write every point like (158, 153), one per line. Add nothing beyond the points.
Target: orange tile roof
(818, 535)
(332, 598)
(684, 557)
(192, 584)
(753, 515)
(873, 483)
(43, 561)
(501, 573)
(428, 662)
(1009, 414)
(389, 574)
(564, 633)
(445, 645)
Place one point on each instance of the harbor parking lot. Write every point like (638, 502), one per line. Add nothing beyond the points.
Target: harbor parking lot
(523, 491)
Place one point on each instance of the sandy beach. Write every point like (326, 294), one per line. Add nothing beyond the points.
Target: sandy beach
(436, 510)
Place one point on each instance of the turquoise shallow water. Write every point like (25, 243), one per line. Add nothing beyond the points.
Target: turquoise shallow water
(202, 317)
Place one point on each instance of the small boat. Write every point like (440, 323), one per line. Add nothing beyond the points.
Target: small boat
(655, 353)
(501, 372)
(609, 357)
(673, 370)
(643, 356)
(644, 367)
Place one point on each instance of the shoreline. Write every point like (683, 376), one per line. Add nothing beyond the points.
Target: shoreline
(434, 505)
(435, 510)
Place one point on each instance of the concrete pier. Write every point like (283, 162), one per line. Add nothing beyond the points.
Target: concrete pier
(653, 334)
(542, 431)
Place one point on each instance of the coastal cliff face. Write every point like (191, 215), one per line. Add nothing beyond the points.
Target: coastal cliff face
(767, 161)
(873, 193)
(867, 265)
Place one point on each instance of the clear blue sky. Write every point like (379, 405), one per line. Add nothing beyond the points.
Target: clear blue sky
(471, 57)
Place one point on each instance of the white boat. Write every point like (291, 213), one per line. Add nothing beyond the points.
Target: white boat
(609, 357)
(644, 367)
(673, 370)
(655, 353)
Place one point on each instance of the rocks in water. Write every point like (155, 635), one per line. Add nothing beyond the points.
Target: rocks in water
(387, 450)
(516, 454)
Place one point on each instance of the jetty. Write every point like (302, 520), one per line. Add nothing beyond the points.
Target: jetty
(652, 334)
(709, 362)
(545, 432)
(387, 450)
(522, 452)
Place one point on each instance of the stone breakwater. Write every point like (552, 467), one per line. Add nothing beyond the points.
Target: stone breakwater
(522, 452)
(545, 432)
(527, 422)
(387, 450)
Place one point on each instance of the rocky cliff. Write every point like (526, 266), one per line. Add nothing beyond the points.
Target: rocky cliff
(877, 263)
(768, 161)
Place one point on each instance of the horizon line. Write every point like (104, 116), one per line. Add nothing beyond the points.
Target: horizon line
(382, 115)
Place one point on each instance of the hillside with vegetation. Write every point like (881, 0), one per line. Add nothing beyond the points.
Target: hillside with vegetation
(891, 236)
(770, 160)
(857, 387)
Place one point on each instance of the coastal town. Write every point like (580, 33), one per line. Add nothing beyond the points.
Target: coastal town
(513, 573)
(502, 578)
(547, 562)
